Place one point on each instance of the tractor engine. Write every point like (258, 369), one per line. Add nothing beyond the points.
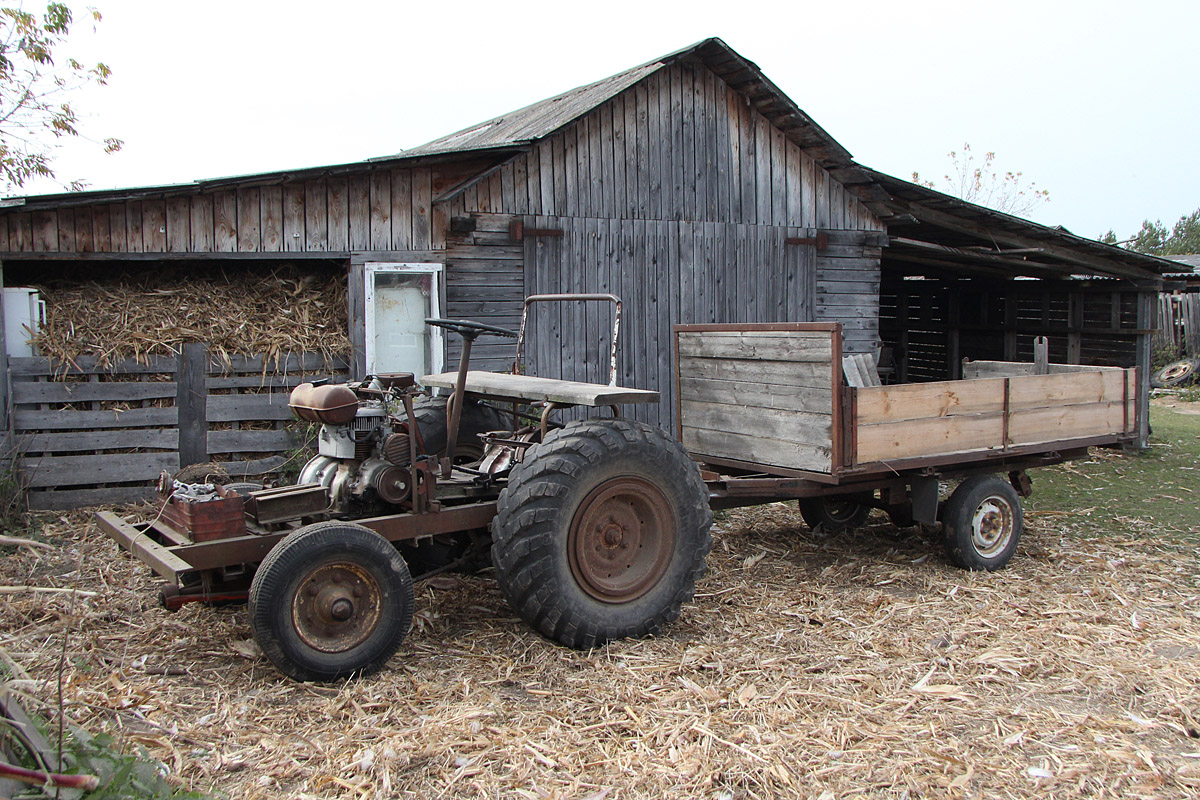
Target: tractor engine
(363, 446)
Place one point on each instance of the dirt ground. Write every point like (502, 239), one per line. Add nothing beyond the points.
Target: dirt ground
(857, 666)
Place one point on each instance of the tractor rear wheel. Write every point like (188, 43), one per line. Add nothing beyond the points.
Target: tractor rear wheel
(476, 418)
(331, 600)
(601, 532)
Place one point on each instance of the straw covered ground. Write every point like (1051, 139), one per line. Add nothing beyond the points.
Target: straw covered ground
(808, 666)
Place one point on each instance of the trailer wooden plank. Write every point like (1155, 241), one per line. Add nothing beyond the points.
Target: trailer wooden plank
(928, 437)
(770, 452)
(768, 423)
(764, 345)
(1029, 426)
(754, 393)
(811, 374)
(986, 395)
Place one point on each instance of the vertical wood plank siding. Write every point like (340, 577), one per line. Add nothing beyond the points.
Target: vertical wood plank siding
(677, 195)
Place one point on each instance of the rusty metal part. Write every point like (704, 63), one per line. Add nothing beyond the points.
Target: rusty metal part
(389, 481)
(170, 560)
(397, 449)
(287, 503)
(1021, 482)
(621, 539)
(549, 408)
(539, 298)
(396, 380)
(337, 607)
(332, 404)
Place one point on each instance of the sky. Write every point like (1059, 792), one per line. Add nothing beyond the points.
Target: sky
(1096, 102)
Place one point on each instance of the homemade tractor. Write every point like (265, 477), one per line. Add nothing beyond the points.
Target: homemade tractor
(598, 527)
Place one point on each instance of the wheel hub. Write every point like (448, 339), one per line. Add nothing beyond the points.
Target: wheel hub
(622, 537)
(338, 607)
(992, 526)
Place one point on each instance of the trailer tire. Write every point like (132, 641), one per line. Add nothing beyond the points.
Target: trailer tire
(243, 488)
(1177, 373)
(477, 418)
(601, 532)
(331, 600)
(982, 523)
(834, 514)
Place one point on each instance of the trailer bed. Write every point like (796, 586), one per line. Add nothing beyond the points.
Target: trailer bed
(771, 398)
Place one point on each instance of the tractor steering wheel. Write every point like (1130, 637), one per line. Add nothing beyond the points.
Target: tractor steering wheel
(467, 329)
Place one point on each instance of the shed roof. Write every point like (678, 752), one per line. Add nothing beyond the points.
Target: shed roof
(930, 230)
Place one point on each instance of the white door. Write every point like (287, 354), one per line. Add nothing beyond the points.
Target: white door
(399, 298)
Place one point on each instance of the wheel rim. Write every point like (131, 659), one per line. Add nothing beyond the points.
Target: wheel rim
(621, 539)
(992, 526)
(337, 607)
(840, 510)
(1176, 371)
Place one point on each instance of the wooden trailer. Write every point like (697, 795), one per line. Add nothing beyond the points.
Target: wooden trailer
(768, 411)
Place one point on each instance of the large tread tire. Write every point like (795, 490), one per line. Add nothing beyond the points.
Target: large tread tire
(982, 523)
(1177, 373)
(834, 514)
(330, 601)
(595, 495)
(477, 418)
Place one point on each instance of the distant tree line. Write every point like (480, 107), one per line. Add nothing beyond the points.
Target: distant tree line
(1157, 240)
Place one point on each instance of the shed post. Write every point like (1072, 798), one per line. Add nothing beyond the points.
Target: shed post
(5, 381)
(1146, 308)
(192, 403)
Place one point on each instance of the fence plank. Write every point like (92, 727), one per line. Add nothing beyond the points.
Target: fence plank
(151, 439)
(251, 441)
(43, 471)
(57, 392)
(40, 366)
(80, 420)
(247, 407)
(78, 498)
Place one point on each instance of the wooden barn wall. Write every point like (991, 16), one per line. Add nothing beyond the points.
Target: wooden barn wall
(681, 145)
(380, 210)
(665, 272)
(485, 281)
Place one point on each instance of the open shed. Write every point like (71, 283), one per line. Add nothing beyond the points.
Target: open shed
(690, 186)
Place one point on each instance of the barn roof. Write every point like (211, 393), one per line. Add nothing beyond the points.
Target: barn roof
(533, 122)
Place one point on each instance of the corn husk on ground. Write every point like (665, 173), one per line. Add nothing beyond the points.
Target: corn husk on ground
(807, 666)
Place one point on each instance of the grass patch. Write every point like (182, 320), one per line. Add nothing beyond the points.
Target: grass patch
(1113, 489)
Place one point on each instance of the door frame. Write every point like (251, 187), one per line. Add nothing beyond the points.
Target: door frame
(434, 337)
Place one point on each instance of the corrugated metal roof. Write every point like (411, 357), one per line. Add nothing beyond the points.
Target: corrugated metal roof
(535, 121)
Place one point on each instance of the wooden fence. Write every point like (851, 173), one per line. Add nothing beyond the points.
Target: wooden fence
(1179, 323)
(87, 433)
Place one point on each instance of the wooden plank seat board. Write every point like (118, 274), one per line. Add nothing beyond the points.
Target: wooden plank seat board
(532, 389)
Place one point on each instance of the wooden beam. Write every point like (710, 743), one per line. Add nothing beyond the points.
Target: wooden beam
(997, 235)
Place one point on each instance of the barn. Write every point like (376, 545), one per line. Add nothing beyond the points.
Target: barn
(690, 186)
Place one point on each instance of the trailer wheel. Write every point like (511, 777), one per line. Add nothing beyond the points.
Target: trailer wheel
(331, 600)
(476, 418)
(601, 532)
(243, 487)
(1177, 373)
(834, 514)
(982, 523)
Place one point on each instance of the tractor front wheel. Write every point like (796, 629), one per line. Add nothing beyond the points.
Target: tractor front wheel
(331, 600)
(601, 532)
